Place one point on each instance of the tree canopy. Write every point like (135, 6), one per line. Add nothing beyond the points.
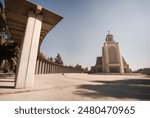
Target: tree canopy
(1, 8)
(9, 51)
(58, 59)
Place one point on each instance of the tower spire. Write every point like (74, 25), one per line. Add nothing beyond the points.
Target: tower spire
(108, 32)
(109, 37)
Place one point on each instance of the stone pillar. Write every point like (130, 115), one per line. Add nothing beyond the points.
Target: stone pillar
(56, 69)
(37, 67)
(27, 62)
(106, 59)
(66, 69)
(47, 68)
(43, 67)
(52, 68)
(61, 69)
(40, 68)
(120, 60)
(121, 65)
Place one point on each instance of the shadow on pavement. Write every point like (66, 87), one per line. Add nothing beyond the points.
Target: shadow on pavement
(129, 89)
(7, 87)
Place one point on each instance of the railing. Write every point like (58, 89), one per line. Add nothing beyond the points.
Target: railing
(46, 66)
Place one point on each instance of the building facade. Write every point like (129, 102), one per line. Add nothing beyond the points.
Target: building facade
(111, 60)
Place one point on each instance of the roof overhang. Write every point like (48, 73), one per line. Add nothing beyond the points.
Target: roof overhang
(17, 15)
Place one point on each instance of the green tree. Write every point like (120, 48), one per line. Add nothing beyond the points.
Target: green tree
(2, 21)
(78, 66)
(51, 59)
(86, 70)
(9, 51)
(58, 59)
(143, 71)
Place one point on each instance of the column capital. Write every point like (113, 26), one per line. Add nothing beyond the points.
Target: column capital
(38, 9)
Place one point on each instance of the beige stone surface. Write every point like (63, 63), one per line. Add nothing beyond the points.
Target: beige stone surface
(79, 87)
(112, 60)
(27, 63)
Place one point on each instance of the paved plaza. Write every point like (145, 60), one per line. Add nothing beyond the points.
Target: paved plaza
(78, 87)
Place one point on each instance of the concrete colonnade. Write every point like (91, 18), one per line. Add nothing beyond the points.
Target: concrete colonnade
(44, 66)
(28, 24)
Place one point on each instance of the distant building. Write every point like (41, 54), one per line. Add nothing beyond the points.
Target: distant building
(111, 60)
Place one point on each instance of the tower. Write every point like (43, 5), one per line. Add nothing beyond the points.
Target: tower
(111, 56)
(111, 60)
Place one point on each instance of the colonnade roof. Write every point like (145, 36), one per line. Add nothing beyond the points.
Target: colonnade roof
(17, 15)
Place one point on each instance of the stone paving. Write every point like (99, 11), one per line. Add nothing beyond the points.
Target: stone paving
(72, 87)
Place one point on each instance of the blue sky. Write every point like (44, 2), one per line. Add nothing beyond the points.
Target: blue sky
(79, 37)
